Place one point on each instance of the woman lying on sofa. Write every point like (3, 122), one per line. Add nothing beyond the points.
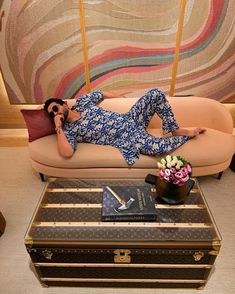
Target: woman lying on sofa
(88, 122)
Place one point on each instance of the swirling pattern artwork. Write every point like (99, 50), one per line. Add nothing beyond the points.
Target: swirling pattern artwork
(130, 46)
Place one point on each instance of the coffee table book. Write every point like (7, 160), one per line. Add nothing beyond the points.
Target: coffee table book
(128, 203)
(69, 245)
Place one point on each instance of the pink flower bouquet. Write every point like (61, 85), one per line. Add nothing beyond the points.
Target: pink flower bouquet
(174, 169)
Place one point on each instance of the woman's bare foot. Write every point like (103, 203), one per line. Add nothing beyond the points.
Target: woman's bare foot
(190, 133)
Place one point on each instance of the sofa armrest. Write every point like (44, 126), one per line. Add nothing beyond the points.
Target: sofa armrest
(205, 112)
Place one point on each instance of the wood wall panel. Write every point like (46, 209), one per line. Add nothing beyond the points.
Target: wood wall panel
(10, 115)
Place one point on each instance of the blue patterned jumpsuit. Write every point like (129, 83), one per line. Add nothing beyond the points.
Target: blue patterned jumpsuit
(127, 132)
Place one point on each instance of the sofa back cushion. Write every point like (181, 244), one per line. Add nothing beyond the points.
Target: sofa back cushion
(189, 112)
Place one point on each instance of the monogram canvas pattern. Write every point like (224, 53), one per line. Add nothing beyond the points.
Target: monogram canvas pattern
(58, 221)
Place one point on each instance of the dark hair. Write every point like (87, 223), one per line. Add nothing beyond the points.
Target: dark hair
(50, 100)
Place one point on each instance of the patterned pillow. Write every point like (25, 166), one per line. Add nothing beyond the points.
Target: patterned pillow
(38, 123)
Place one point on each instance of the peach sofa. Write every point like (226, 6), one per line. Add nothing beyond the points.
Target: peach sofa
(209, 153)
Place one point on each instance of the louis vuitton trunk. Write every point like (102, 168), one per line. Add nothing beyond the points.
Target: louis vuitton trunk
(69, 245)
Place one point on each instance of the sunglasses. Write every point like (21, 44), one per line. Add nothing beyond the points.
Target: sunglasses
(54, 109)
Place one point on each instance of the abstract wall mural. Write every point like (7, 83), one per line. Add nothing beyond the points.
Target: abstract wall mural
(129, 44)
(207, 53)
(40, 46)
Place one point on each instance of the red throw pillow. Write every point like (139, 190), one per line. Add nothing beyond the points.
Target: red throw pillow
(38, 123)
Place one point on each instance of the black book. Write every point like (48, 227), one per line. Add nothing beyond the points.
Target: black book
(128, 203)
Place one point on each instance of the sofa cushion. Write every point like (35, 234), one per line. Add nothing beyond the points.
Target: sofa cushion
(203, 150)
(38, 123)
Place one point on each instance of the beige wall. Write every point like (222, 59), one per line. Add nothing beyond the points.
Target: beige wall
(11, 118)
(10, 115)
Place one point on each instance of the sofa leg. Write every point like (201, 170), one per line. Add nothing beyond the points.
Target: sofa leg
(232, 164)
(220, 175)
(42, 177)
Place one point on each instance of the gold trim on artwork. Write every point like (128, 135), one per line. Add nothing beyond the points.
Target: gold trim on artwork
(84, 45)
(177, 46)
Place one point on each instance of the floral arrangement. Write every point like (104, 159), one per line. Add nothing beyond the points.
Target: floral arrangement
(174, 169)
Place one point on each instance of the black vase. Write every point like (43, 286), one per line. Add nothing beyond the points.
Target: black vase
(171, 193)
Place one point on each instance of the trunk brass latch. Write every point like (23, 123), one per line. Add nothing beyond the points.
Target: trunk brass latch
(198, 255)
(122, 256)
(47, 254)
